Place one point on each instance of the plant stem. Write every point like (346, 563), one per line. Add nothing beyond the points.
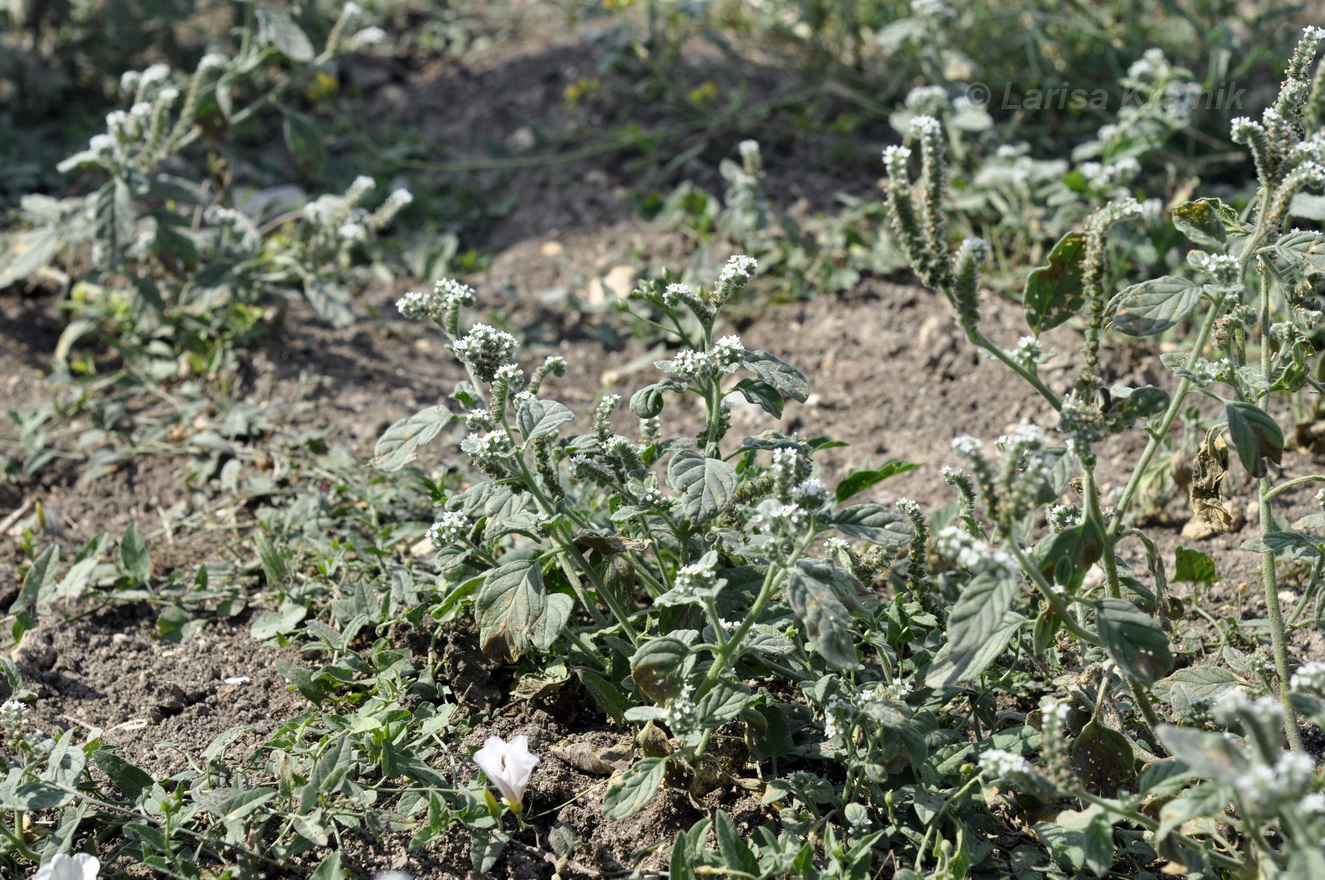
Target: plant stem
(1278, 637)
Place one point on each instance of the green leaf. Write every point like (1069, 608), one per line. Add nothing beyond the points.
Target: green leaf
(952, 668)
(706, 484)
(721, 704)
(27, 252)
(1209, 223)
(1193, 567)
(980, 611)
(173, 240)
(39, 582)
(1255, 435)
(330, 300)
(130, 780)
(273, 564)
(330, 869)
(134, 555)
(1134, 640)
(1133, 404)
(658, 666)
(859, 481)
(397, 447)
(1054, 292)
(631, 791)
(328, 773)
(65, 764)
(648, 401)
(736, 853)
(768, 397)
(541, 418)
(514, 612)
(1209, 755)
(873, 523)
(114, 220)
(1203, 684)
(313, 688)
(304, 142)
(277, 29)
(1103, 759)
(1303, 248)
(816, 591)
(1153, 306)
(778, 374)
(608, 696)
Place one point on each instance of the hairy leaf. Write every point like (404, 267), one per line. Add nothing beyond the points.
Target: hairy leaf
(631, 791)
(1153, 306)
(1255, 435)
(541, 418)
(1054, 292)
(1134, 639)
(1209, 223)
(706, 484)
(397, 446)
(816, 591)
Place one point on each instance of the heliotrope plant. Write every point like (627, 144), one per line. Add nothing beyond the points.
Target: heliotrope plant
(1251, 297)
(676, 577)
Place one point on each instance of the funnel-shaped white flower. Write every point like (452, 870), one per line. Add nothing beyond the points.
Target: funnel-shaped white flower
(509, 766)
(76, 867)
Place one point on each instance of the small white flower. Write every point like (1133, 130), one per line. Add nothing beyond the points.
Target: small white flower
(369, 36)
(213, 60)
(352, 232)
(79, 866)
(508, 766)
(155, 74)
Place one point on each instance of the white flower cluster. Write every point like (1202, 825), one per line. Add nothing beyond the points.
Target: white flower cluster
(810, 494)
(894, 160)
(967, 446)
(1064, 516)
(727, 356)
(929, 100)
(926, 127)
(738, 270)
(446, 294)
(1028, 352)
(488, 450)
(839, 545)
(1151, 65)
(369, 36)
(693, 577)
(1235, 704)
(1225, 269)
(1268, 786)
(653, 497)
(930, 9)
(677, 294)
(1204, 372)
(974, 555)
(1002, 764)
(774, 517)
(1310, 676)
(1106, 177)
(447, 529)
(12, 713)
(484, 349)
(679, 714)
(836, 714)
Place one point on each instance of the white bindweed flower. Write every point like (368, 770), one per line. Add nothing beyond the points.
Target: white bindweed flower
(80, 866)
(508, 766)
